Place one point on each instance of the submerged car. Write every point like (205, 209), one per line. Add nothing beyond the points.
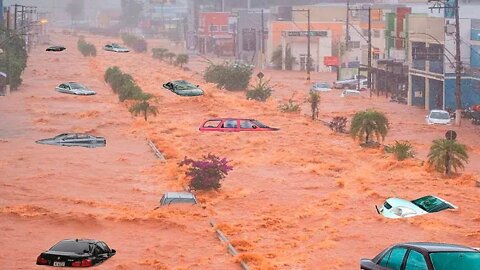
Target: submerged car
(349, 92)
(178, 197)
(114, 47)
(75, 139)
(55, 49)
(234, 125)
(424, 256)
(183, 88)
(76, 253)
(400, 208)
(321, 86)
(440, 117)
(74, 88)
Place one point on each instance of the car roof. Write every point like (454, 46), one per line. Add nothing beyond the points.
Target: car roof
(179, 195)
(438, 247)
(230, 118)
(438, 111)
(396, 202)
(90, 241)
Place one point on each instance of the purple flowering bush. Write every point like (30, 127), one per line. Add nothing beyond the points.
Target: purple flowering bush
(206, 173)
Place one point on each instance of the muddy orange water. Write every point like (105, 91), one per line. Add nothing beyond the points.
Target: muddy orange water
(299, 198)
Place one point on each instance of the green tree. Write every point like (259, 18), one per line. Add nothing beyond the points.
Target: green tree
(276, 59)
(367, 124)
(170, 56)
(446, 155)
(142, 106)
(14, 59)
(314, 100)
(181, 59)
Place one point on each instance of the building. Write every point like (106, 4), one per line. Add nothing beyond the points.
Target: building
(250, 40)
(214, 34)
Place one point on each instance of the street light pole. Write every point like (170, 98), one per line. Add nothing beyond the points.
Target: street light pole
(369, 78)
(458, 68)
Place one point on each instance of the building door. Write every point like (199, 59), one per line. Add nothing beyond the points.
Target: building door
(303, 62)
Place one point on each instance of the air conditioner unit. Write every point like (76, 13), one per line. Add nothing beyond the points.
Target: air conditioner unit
(449, 29)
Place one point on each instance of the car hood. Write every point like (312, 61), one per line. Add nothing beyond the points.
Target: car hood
(83, 90)
(439, 121)
(397, 204)
(190, 92)
(321, 89)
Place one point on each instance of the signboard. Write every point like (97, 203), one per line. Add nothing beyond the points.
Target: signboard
(450, 135)
(330, 61)
(305, 33)
(449, 9)
(434, 53)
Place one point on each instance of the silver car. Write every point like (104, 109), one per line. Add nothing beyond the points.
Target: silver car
(75, 139)
(439, 117)
(321, 86)
(114, 47)
(74, 88)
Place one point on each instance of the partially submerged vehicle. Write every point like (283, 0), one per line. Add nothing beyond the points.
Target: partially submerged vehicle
(400, 208)
(76, 253)
(55, 49)
(424, 256)
(178, 197)
(74, 88)
(75, 139)
(321, 87)
(114, 47)
(349, 92)
(439, 117)
(234, 125)
(183, 88)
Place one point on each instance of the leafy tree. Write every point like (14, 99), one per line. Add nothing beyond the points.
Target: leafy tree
(276, 59)
(159, 53)
(261, 92)
(206, 174)
(87, 49)
(138, 44)
(230, 76)
(181, 59)
(142, 106)
(369, 123)
(170, 56)
(401, 150)
(14, 59)
(446, 155)
(314, 100)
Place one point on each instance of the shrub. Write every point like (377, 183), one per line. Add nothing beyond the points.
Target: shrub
(170, 56)
(401, 150)
(369, 123)
(290, 106)
(446, 155)
(142, 106)
(261, 92)
(124, 85)
(229, 76)
(14, 58)
(159, 53)
(314, 100)
(338, 124)
(206, 174)
(181, 60)
(87, 49)
(136, 43)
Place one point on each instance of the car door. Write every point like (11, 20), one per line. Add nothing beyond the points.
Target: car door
(396, 258)
(415, 261)
(230, 125)
(61, 88)
(246, 125)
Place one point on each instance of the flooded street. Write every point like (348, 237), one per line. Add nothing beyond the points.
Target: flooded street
(299, 198)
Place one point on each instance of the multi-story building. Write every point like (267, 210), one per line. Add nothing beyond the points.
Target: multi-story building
(214, 35)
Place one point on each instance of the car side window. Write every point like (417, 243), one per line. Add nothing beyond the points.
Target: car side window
(230, 124)
(246, 124)
(416, 261)
(396, 258)
(383, 262)
(97, 250)
(104, 247)
(212, 124)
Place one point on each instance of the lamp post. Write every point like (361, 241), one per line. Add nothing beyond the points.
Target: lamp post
(309, 58)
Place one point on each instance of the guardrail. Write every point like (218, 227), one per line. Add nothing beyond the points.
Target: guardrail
(155, 150)
(230, 248)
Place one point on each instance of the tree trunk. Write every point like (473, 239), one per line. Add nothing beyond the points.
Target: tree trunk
(366, 137)
(447, 162)
(145, 114)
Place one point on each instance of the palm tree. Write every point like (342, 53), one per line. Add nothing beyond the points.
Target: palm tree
(446, 155)
(143, 107)
(314, 100)
(181, 60)
(369, 123)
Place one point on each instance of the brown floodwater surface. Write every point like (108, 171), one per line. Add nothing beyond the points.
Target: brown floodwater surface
(299, 198)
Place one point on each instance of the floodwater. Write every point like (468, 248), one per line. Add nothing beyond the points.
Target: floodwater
(299, 198)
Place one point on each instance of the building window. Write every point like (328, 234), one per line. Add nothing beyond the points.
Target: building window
(475, 31)
(249, 40)
(213, 28)
(354, 44)
(475, 56)
(224, 28)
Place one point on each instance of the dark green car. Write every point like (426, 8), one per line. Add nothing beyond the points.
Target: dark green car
(183, 88)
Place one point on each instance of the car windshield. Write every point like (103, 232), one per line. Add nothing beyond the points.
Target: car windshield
(455, 260)
(259, 124)
(72, 246)
(431, 204)
(439, 115)
(184, 85)
(76, 86)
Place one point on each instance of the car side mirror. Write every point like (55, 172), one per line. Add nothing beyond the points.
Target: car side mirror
(113, 251)
(254, 127)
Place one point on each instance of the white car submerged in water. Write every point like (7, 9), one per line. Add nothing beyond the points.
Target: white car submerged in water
(400, 208)
(74, 88)
(438, 117)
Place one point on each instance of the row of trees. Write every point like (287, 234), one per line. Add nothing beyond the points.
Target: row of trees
(174, 59)
(232, 77)
(138, 44)
(87, 49)
(126, 88)
(14, 58)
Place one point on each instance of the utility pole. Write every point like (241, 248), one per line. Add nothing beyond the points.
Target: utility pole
(263, 43)
(369, 76)
(309, 58)
(347, 27)
(458, 67)
(15, 17)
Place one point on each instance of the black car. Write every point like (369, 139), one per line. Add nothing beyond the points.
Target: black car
(76, 253)
(424, 256)
(55, 49)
